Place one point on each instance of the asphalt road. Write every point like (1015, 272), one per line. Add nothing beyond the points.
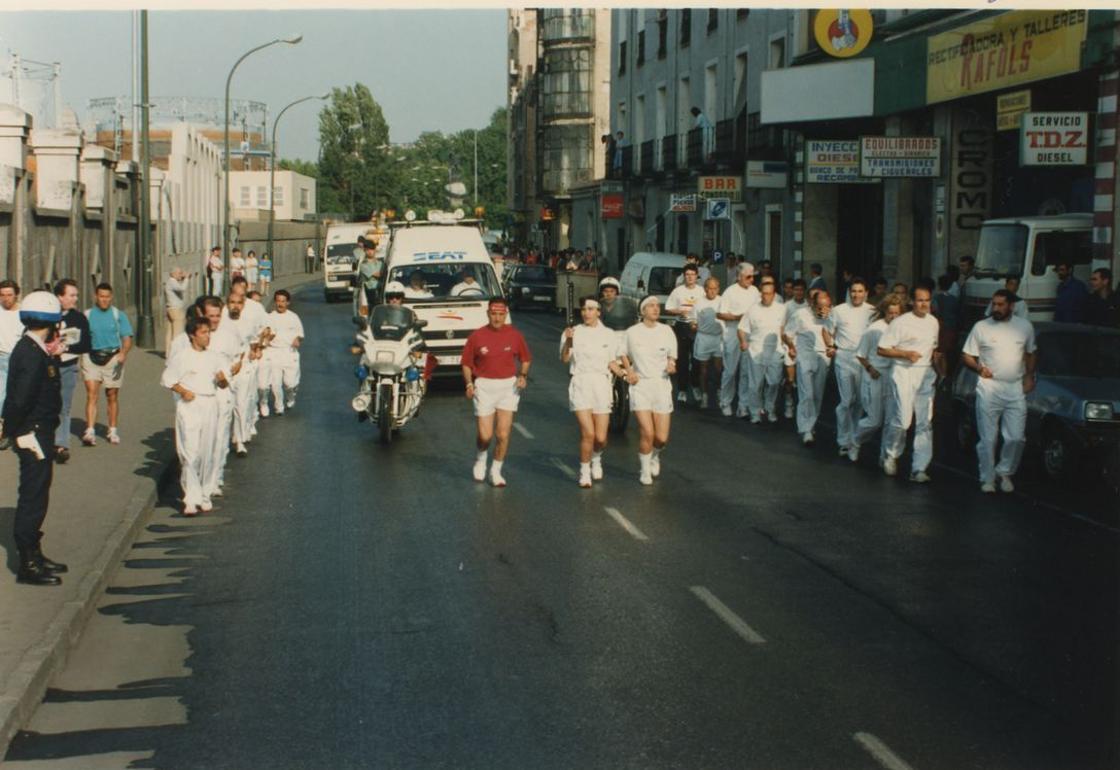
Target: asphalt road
(762, 605)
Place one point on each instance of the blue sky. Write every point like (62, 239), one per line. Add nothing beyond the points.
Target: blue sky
(429, 69)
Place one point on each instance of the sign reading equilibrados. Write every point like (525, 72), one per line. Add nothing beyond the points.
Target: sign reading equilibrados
(842, 32)
(900, 156)
(1054, 139)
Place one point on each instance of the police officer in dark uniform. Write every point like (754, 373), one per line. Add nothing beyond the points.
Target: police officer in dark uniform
(31, 415)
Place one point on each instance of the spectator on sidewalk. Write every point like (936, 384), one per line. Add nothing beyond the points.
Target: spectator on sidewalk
(214, 270)
(175, 305)
(1102, 308)
(252, 268)
(264, 268)
(110, 341)
(310, 258)
(75, 334)
(11, 329)
(30, 418)
(1072, 294)
(236, 264)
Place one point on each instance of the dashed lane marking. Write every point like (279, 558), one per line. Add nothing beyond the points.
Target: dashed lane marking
(881, 752)
(522, 430)
(623, 522)
(564, 467)
(738, 625)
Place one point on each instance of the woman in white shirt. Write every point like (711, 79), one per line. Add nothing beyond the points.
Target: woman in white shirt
(652, 350)
(591, 352)
(251, 269)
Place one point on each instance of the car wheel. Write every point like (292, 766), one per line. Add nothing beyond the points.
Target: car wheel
(1059, 456)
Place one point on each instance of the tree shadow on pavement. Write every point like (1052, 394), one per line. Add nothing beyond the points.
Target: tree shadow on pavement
(7, 539)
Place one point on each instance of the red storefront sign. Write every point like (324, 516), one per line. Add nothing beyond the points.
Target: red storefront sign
(611, 206)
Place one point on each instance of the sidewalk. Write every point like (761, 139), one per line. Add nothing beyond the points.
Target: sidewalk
(99, 502)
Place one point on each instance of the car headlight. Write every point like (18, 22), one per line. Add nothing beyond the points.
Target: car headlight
(1097, 410)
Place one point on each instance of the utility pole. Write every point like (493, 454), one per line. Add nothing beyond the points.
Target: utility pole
(146, 332)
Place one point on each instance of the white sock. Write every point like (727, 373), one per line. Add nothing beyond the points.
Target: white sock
(584, 469)
(496, 468)
(597, 457)
(481, 457)
(645, 460)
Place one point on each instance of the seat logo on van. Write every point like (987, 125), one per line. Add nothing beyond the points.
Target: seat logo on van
(438, 256)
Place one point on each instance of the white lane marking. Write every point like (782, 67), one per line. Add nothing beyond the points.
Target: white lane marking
(564, 467)
(738, 625)
(522, 430)
(881, 752)
(623, 522)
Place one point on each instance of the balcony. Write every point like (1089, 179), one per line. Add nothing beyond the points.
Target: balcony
(571, 104)
(558, 181)
(567, 26)
(627, 169)
(764, 142)
(726, 151)
(646, 167)
(669, 153)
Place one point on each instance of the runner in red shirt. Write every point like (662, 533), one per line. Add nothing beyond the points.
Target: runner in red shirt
(496, 369)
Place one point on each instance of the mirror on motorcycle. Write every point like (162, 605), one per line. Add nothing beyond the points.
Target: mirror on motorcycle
(359, 321)
(421, 324)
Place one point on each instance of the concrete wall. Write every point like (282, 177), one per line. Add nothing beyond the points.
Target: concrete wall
(289, 243)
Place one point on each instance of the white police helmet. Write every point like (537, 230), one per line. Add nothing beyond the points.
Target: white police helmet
(394, 287)
(39, 309)
(609, 281)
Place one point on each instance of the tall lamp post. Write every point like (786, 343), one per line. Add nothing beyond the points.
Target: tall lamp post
(225, 209)
(272, 169)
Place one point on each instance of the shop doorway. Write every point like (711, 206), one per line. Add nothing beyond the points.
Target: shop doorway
(859, 231)
(682, 233)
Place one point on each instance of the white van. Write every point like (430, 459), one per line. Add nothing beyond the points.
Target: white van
(1028, 247)
(651, 272)
(438, 256)
(342, 255)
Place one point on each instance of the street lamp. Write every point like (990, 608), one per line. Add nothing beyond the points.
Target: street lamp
(225, 208)
(272, 168)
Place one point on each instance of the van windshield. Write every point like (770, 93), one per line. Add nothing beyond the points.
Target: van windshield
(446, 281)
(662, 280)
(341, 253)
(1002, 251)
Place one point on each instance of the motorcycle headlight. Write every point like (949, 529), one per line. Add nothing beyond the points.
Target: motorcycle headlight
(360, 402)
(1098, 410)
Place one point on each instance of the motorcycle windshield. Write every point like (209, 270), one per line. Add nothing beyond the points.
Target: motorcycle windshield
(390, 322)
(621, 315)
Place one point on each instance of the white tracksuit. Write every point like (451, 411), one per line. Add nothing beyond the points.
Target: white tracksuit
(1001, 405)
(911, 388)
(806, 329)
(875, 397)
(735, 300)
(848, 323)
(762, 326)
(196, 421)
(225, 342)
(282, 358)
(243, 386)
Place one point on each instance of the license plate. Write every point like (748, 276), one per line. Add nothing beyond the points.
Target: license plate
(448, 360)
(540, 298)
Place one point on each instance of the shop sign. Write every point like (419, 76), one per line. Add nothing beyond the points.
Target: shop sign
(833, 161)
(720, 186)
(717, 208)
(971, 175)
(682, 204)
(1003, 51)
(611, 206)
(1054, 139)
(842, 32)
(1010, 108)
(900, 156)
(767, 173)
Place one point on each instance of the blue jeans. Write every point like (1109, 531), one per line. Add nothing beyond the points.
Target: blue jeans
(68, 374)
(4, 358)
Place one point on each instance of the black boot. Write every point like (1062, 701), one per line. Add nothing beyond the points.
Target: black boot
(54, 567)
(32, 572)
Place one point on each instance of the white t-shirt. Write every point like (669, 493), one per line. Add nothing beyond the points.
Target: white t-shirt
(286, 326)
(736, 301)
(849, 323)
(472, 288)
(253, 310)
(175, 293)
(806, 329)
(237, 265)
(869, 345)
(411, 293)
(593, 349)
(650, 348)
(763, 326)
(247, 326)
(685, 298)
(706, 322)
(792, 307)
(194, 370)
(226, 342)
(11, 329)
(1001, 345)
(909, 332)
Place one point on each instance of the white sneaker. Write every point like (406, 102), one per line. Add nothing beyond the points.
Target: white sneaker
(890, 466)
(696, 394)
(756, 419)
(645, 479)
(921, 477)
(988, 487)
(842, 451)
(89, 438)
(1005, 484)
(725, 411)
(682, 397)
(704, 401)
(741, 413)
(264, 411)
(772, 417)
(789, 409)
(496, 479)
(853, 453)
(597, 470)
(290, 403)
(585, 479)
(479, 471)
(114, 437)
(655, 466)
(807, 438)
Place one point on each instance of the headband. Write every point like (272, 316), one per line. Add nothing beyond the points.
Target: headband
(646, 301)
(592, 303)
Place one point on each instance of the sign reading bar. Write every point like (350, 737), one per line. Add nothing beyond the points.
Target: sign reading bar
(682, 204)
(900, 156)
(1054, 139)
(1003, 51)
(720, 186)
(833, 161)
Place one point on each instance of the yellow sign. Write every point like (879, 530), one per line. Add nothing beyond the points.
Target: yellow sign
(1010, 108)
(842, 32)
(1003, 51)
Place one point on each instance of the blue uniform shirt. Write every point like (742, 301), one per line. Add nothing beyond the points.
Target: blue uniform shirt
(1070, 305)
(104, 333)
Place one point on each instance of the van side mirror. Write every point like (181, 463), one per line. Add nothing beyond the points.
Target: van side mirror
(421, 324)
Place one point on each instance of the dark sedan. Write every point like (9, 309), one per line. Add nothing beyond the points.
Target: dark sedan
(530, 286)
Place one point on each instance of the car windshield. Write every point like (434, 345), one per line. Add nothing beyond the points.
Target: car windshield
(339, 253)
(444, 281)
(1001, 251)
(662, 280)
(535, 273)
(1064, 354)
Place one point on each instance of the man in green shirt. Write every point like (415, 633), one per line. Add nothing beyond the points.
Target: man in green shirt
(370, 271)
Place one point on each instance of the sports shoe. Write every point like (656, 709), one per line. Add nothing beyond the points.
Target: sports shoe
(190, 510)
(890, 466)
(61, 455)
(585, 478)
(921, 477)
(89, 438)
(479, 471)
(240, 450)
(1005, 484)
(988, 487)
(842, 451)
(114, 437)
(596, 470)
(756, 419)
(682, 397)
(278, 412)
(206, 506)
(645, 479)
(725, 411)
(807, 438)
(696, 394)
(789, 409)
(853, 453)
(290, 403)
(772, 417)
(741, 413)
(264, 410)
(496, 479)
(654, 466)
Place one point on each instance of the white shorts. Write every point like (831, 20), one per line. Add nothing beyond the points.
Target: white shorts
(492, 395)
(707, 346)
(652, 396)
(590, 391)
(111, 375)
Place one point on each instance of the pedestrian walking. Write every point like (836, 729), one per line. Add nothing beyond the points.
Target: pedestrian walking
(30, 416)
(264, 272)
(652, 350)
(849, 321)
(11, 329)
(282, 355)
(495, 363)
(911, 343)
(103, 366)
(215, 270)
(808, 336)
(1001, 349)
(591, 352)
(737, 299)
(681, 304)
(310, 254)
(175, 305)
(760, 340)
(74, 331)
(875, 397)
(707, 347)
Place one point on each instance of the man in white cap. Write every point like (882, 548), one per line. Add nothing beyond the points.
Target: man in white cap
(737, 299)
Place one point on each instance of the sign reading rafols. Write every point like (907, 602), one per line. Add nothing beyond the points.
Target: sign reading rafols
(1003, 51)
(833, 161)
(1054, 139)
(900, 156)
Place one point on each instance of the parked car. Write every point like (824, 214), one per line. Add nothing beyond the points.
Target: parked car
(529, 285)
(1073, 414)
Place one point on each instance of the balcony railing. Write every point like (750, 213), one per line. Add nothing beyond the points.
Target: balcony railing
(647, 156)
(566, 25)
(627, 169)
(764, 142)
(571, 104)
(725, 149)
(669, 153)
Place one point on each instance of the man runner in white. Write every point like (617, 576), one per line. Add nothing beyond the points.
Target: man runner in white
(708, 344)
(1001, 349)
(243, 386)
(874, 397)
(911, 344)
(760, 338)
(736, 300)
(809, 340)
(224, 343)
(283, 354)
(792, 305)
(591, 352)
(849, 320)
(652, 350)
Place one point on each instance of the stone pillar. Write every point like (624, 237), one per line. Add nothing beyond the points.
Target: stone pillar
(96, 173)
(15, 126)
(56, 166)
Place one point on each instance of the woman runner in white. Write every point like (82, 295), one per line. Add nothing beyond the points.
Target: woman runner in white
(591, 352)
(652, 349)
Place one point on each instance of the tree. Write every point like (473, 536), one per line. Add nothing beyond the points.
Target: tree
(306, 167)
(356, 175)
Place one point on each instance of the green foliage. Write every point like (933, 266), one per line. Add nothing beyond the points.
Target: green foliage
(306, 167)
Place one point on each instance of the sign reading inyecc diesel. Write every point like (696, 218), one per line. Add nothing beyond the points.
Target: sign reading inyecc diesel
(1054, 139)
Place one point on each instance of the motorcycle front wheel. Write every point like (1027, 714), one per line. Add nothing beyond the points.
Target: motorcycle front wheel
(385, 412)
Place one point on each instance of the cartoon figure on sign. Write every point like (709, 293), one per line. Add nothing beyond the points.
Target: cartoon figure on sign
(843, 32)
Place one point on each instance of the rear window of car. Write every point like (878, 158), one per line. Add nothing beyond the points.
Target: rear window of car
(1079, 355)
(535, 273)
(662, 280)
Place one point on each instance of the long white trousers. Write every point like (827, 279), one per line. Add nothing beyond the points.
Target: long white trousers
(812, 376)
(912, 401)
(1001, 409)
(244, 390)
(876, 399)
(849, 373)
(736, 372)
(765, 380)
(195, 424)
(220, 447)
(283, 368)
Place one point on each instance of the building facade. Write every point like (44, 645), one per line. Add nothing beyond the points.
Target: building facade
(294, 194)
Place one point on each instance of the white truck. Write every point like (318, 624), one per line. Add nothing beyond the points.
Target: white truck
(341, 257)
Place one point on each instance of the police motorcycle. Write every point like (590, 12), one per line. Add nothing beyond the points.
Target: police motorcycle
(618, 315)
(394, 368)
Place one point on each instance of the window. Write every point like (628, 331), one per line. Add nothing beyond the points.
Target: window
(622, 58)
(741, 14)
(566, 82)
(567, 23)
(566, 157)
(777, 53)
(246, 197)
(278, 195)
(710, 91)
(686, 27)
(740, 78)
(304, 198)
(662, 33)
(641, 47)
(713, 19)
(262, 197)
